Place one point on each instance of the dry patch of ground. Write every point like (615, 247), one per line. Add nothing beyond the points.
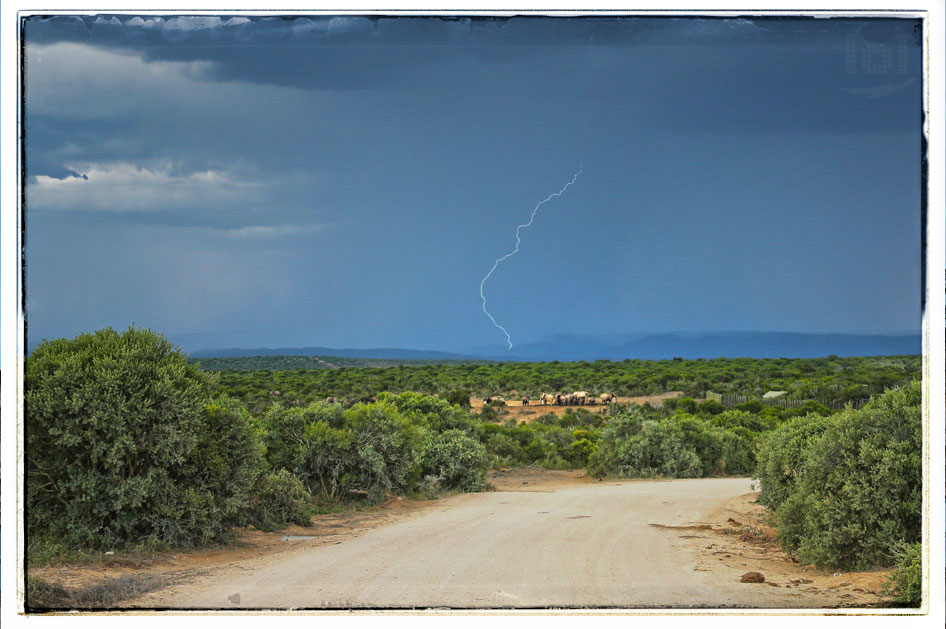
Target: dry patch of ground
(525, 414)
(105, 583)
(536, 479)
(737, 538)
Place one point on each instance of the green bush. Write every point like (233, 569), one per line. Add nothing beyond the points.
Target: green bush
(808, 407)
(431, 412)
(581, 450)
(905, 586)
(279, 500)
(782, 456)
(847, 488)
(544, 452)
(738, 452)
(742, 419)
(658, 450)
(229, 457)
(122, 446)
(457, 461)
(505, 450)
(678, 446)
(460, 397)
(285, 432)
(368, 450)
(710, 407)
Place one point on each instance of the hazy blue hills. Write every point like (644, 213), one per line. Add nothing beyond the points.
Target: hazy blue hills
(728, 345)
(385, 353)
(643, 346)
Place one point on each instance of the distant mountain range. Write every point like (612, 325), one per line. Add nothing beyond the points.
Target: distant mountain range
(643, 346)
(387, 353)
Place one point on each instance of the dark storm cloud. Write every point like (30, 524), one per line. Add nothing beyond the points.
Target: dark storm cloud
(800, 74)
(347, 181)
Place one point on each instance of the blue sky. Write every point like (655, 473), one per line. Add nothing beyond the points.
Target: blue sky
(347, 182)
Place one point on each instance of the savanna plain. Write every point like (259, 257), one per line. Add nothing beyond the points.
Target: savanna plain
(154, 481)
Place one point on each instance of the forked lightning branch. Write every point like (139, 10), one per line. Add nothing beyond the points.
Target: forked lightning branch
(574, 178)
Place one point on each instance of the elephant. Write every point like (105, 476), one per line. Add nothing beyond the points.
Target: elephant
(592, 401)
(581, 397)
(607, 398)
(571, 399)
(547, 398)
(525, 401)
(331, 399)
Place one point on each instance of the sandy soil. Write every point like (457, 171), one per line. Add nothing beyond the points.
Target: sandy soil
(741, 538)
(559, 540)
(536, 479)
(540, 538)
(524, 414)
(250, 544)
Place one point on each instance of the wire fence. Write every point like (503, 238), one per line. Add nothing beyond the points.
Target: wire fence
(787, 402)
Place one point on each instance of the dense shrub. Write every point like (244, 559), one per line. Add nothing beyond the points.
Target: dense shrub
(807, 408)
(431, 412)
(456, 460)
(782, 456)
(679, 446)
(277, 501)
(743, 419)
(847, 488)
(504, 449)
(122, 447)
(285, 432)
(905, 586)
(659, 449)
(228, 458)
(710, 407)
(366, 451)
(460, 397)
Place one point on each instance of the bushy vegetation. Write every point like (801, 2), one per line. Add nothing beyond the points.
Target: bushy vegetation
(846, 489)
(128, 443)
(454, 461)
(636, 443)
(368, 450)
(123, 443)
(905, 587)
(278, 500)
(830, 379)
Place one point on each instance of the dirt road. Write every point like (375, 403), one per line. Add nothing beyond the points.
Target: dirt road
(586, 545)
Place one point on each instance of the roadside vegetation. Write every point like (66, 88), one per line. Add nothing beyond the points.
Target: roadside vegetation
(846, 490)
(132, 447)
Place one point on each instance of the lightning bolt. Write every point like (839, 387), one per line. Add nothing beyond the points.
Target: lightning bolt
(581, 167)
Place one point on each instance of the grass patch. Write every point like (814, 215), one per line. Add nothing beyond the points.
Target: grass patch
(42, 595)
(44, 551)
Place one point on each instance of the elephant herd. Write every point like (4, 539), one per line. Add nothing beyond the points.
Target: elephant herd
(578, 398)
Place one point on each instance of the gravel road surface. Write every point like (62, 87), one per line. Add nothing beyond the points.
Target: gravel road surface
(594, 545)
